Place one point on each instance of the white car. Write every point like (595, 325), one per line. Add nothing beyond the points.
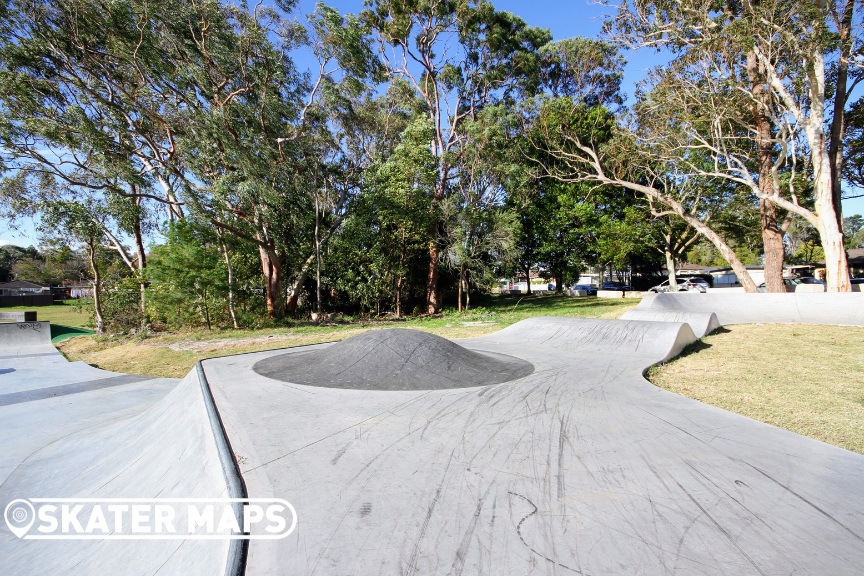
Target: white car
(685, 284)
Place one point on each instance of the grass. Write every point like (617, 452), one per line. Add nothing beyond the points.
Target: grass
(69, 314)
(174, 354)
(804, 378)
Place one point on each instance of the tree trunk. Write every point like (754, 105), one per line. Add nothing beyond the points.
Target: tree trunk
(317, 264)
(772, 237)
(399, 278)
(467, 292)
(230, 269)
(838, 122)
(459, 289)
(831, 237)
(272, 270)
(432, 296)
(772, 244)
(98, 317)
(140, 261)
(670, 265)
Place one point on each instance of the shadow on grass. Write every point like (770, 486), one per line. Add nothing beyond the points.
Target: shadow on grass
(60, 332)
(699, 345)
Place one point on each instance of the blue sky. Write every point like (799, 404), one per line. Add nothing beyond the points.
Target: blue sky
(564, 18)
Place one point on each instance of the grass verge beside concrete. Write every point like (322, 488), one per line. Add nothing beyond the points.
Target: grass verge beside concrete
(804, 378)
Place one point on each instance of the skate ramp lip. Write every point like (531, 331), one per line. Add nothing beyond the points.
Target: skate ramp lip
(394, 359)
(843, 309)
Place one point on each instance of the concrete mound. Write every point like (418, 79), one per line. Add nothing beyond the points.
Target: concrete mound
(394, 359)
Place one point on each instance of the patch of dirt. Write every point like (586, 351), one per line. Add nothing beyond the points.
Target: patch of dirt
(218, 344)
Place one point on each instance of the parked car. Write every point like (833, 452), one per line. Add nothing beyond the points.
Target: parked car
(685, 284)
(616, 286)
(808, 280)
(589, 289)
(857, 280)
(790, 285)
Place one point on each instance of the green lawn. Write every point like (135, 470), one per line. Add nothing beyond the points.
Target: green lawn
(73, 313)
(804, 378)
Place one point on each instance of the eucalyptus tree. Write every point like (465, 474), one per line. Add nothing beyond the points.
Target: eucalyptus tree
(459, 56)
(81, 222)
(585, 144)
(771, 82)
(388, 221)
(87, 94)
(480, 227)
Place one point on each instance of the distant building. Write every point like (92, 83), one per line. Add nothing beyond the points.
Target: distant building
(23, 288)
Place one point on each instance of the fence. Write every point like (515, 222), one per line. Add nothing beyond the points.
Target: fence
(34, 300)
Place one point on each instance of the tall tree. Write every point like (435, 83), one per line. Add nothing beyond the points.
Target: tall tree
(760, 73)
(460, 56)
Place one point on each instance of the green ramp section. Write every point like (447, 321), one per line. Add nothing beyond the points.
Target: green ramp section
(60, 332)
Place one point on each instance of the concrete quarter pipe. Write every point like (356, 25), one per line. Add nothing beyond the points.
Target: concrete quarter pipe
(561, 460)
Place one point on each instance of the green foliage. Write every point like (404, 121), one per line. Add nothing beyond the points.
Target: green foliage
(376, 255)
(853, 227)
(188, 281)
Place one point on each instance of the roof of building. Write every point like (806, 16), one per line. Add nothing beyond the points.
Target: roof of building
(856, 255)
(687, 266)
(19, 284)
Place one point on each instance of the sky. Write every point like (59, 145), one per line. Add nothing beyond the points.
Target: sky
(564, 18)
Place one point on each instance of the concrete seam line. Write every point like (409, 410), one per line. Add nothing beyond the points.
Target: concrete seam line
(237, 549)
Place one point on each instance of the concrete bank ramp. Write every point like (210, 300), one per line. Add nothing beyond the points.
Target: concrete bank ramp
(653, 341)
(702, 323)
(845, 309)
(166, 451)
(69, 430)
(581, 467)
(25, 338)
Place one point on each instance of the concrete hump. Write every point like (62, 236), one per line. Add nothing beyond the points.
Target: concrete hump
(394, 359)
(167, 451)
(702, 323)
(652, 341)
(845, 309)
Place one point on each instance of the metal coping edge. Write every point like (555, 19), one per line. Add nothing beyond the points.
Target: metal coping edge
(238, 550)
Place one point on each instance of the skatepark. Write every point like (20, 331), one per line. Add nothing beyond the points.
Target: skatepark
(538, 449)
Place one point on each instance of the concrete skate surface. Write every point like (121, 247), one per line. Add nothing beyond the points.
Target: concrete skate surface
(543, 451)
(581, 467)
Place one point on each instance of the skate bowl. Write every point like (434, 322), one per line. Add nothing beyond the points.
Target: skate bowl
(544, 450)
(845, 309)
(581, 466)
